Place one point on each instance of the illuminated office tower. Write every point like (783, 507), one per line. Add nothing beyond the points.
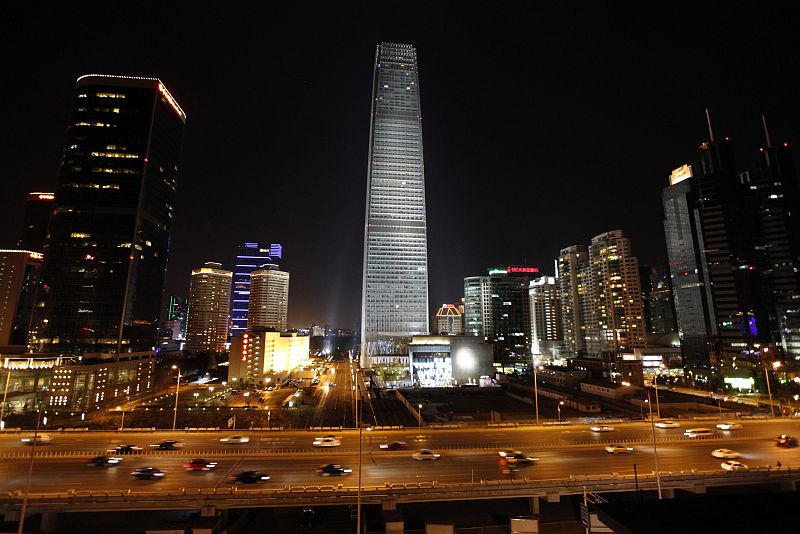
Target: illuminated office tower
(269, 298)
(19, 282)
(478, 306)
(395, 277)
(106, 253)
(250, 257)
(209, 307)
(545, 319)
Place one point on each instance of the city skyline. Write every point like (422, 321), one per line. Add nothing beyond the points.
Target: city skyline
(627, 131)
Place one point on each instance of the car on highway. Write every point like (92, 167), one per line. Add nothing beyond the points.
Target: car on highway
(785, 441)
(168, 445)
(327, 441)
(505, 452)
(668, 424)
(724, 453)
(269, 388)
(733, 465)
(519, 458)
(147, 473)
(698, 432)
(603, 428)
(39, 438)
(426, 454)
(104, 461)
(249, 477)
(729, 425)
(394, 445)
(126, 449)
(235, 440)
(199, 464)
(618, 449)
(331, 470)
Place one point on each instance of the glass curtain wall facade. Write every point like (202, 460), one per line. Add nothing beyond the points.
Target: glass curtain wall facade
(109, 235)
(251, 257)
(395, 276)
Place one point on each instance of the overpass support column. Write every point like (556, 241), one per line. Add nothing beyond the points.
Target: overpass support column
(553, 497)
(668, 493)
(535, 505)
(388, 505)
(48, 522)
(699, 488)
(209, 510)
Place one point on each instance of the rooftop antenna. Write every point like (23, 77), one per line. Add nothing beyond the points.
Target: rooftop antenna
(766, 131)
(710, 129)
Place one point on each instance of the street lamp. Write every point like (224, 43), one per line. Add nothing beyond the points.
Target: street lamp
(177, 391)
(775, 366)
(655, 387)
(419, 406)
(559, 410)
(122, 424)
(5, 394)
(655, 449)
(536, 389)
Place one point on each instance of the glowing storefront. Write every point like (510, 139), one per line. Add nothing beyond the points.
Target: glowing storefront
(439, 361)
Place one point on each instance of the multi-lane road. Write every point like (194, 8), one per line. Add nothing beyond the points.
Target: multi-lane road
(467, 455)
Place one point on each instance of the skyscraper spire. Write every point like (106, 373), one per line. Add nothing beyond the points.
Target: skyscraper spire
(766, 131)
(710, 129)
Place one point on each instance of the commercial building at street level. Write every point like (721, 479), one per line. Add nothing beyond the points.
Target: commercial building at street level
(262, 356)
(209, 306)
(106, 252)
(395, 278)
(448, 320)
(250, 257)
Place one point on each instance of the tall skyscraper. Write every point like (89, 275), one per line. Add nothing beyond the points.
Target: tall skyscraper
(209, 307)
(395, 277)
(572, 264)
(106, 254)
(545, 316)
(616, 323)
(38, 210)
(497, 308)
(250, 257)
(269, 298)
(707, 246)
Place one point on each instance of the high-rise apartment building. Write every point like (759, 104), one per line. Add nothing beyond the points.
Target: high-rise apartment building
(448, 320)
(38, 210)
(616, 322)
(19, 281)
(250, 257)
(269, 298)
(395, 277)
(106, 253)
(571, 279)
(209, 307)
(545, 317)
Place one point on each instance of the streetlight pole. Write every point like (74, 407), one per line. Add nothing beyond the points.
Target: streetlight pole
(30, 472)
(420, 414)
(177, 391)
(358, 421)
(655, 449)
(559, 410)
(536, 390)
(655, 387)
(769, 389)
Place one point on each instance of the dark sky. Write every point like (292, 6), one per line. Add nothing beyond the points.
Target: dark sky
(542, 127)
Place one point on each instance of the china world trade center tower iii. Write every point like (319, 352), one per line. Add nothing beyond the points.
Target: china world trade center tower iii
(395, 285)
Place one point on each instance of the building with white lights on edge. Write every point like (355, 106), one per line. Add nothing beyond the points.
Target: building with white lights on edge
(209, 306)
(395, 277)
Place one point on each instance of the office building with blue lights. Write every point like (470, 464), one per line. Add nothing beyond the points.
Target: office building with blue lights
(250, 257)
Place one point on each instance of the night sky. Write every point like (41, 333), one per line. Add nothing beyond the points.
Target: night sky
(542, 128)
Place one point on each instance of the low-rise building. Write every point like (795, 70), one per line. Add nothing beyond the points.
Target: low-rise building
(561, 376)
(449, 360)
(261, 355)
(606, 389)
